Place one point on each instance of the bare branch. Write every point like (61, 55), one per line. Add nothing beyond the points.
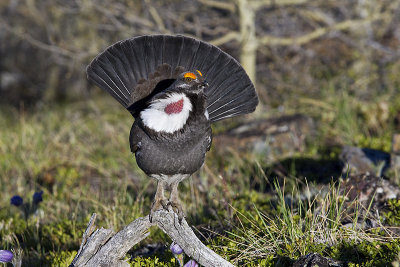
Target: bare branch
(284, 41)
(220, 5)
(230, 36)
(37, 43)
(88, 232)
(104, 248)
(156, 17)
(111, 17)
(264, 3)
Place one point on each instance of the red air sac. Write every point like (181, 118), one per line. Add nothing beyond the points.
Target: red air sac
(174, 108)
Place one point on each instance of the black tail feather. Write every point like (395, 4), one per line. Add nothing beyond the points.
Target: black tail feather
(131, 69)
(188, 52)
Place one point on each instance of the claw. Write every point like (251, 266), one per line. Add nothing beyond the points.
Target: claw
(157, 204)
(177, 208)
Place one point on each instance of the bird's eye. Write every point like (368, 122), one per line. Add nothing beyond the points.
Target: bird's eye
(188, 77)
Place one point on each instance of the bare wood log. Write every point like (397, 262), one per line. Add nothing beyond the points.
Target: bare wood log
(104, 248)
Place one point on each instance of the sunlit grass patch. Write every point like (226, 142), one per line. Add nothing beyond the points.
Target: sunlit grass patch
(304, 225)
(79, 156)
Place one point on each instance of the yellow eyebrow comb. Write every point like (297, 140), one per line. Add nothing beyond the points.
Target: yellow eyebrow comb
(190, 75)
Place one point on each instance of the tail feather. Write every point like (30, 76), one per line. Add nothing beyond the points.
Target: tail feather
(131, 71)
(123, 64)
(228, 82)
(188, 52)
(234, 98)
(173, 48)
(149, 50)
(125, 52)
(158, 48)
(106, 80)
(116, 63)
(200, 57)
(240, 108)
(113, 69)
(213, 65)
(139, 60)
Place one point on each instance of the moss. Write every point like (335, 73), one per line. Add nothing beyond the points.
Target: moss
(375, 253)
(165, 259)
(392, 214)
(152, 262)
(62, 258)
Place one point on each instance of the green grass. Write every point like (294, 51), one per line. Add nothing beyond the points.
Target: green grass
(303, 227)
(78, 154)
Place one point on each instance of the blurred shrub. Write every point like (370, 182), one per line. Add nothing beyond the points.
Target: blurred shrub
(45, 45)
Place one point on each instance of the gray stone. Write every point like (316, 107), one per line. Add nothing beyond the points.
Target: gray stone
(316, 260)
(364, 187)
(275, 137)
(366, 195)
(357, 160)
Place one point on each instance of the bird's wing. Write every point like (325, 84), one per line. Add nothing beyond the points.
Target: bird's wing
(134, 70)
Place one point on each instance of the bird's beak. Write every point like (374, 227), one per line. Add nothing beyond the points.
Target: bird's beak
(204, 85)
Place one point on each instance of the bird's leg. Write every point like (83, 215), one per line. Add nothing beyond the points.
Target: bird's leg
(174, 201)
(159, 200)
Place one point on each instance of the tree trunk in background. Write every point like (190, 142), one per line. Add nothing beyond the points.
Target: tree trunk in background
(248, 40)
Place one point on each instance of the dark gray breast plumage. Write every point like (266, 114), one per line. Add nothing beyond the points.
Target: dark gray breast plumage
(175, 152)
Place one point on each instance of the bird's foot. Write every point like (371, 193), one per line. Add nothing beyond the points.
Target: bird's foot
(159, 203)
(177, 208)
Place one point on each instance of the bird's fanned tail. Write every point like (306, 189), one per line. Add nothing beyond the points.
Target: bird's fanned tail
(134, 69)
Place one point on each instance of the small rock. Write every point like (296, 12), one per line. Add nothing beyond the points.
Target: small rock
(365, 186)
(277, 137)
(357, 160)
(372, 193)
(316, 260)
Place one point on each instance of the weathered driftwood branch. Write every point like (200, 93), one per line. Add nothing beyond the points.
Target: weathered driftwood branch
(102, 247)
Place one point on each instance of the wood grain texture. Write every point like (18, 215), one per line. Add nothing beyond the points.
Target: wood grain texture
(103, 247)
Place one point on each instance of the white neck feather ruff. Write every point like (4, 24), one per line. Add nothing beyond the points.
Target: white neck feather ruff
(159, 117)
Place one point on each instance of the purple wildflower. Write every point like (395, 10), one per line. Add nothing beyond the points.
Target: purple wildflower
(37, 197)
(6, 256)
(175, 248)
(16, 200)
(191, 263)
